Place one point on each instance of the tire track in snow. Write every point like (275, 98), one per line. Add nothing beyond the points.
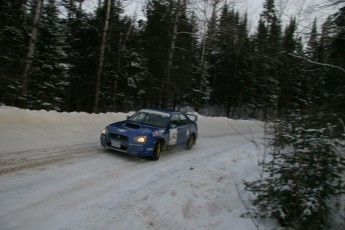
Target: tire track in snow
(104, 191)
(17, 161)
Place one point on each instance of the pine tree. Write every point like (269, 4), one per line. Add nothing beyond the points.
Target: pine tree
(82, 42)
(267, 64)
(303, 173)
(202, 83)
(313, 43)
(230, 58)
(133, 66)
(48, 73)
(303, 166)
(333, 40)
(183, 60)
(168, 38)
(292, 78)
(157, 40)
(13, 44)
(124, 68)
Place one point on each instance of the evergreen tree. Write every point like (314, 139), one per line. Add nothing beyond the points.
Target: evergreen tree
(157, 42)
(267, 63)
(230, 59)
(163, 62)
(109, 51)
(125, 66)
(334, 42)
(133, 68)
(303, 166)
(292, 78)
(315, 78)
(48, 74)
(202, 86)
(14, 36)
(82, 42)
(169, 46)
(313, 43)
(302, 172)
(184, 60)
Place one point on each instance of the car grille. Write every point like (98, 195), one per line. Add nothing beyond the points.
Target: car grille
(123, 147)
(118, 136)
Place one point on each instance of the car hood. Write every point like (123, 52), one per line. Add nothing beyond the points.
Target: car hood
(131, 129)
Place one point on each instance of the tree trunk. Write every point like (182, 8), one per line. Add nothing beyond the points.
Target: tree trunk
(31, 50)
(166, 83)
(204, 68)
(101, 58)
(205, 52)
(122, 48)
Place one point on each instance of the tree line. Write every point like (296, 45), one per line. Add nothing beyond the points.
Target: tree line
(56, 55)
(300, 88)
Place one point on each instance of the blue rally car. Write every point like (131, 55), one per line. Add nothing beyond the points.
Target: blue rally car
(150, 131)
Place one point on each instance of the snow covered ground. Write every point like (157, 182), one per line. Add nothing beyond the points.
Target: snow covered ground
(55, 175)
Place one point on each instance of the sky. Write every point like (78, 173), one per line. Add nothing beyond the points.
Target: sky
(305, 11)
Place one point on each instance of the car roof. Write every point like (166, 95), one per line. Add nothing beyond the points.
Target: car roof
(170, 111)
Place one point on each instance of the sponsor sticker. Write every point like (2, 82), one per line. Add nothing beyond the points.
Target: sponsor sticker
(173, 136)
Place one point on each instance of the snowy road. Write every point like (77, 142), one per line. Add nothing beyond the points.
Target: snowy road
(82, 186)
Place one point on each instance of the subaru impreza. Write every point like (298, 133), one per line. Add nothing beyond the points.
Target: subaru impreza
(149, 132)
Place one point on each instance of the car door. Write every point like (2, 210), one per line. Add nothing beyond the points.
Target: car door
(173, 129)
(179, 129)
(183, 129)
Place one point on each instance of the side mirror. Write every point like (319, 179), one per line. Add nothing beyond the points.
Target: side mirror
(127, 117)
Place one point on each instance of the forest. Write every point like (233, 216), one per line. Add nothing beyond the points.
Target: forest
(55, 55)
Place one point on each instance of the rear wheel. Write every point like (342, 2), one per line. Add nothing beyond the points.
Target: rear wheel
(190, 142)
(157, 151)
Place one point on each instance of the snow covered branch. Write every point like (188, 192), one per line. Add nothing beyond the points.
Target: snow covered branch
(317, 63)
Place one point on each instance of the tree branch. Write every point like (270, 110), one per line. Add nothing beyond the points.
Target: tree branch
(318, 63)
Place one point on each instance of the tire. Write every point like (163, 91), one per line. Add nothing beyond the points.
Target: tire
(190, 142)
(157, 151)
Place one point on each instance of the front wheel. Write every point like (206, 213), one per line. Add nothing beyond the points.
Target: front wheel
(190, 142)
(157, 151)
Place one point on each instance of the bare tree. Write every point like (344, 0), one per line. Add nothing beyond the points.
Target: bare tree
(101, 58)
(122, 49)
(31, 49)
(165, 84)
(207, 12)
(211, 24)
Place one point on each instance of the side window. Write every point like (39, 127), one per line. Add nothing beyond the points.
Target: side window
(175, 119)
(183, 119)
(138, 117)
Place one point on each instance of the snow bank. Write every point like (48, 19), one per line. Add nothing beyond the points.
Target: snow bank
(28, 129)
(197, 189)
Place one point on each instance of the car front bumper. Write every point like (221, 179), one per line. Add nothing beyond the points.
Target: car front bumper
(137, 149)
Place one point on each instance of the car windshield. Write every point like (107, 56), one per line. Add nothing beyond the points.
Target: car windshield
(149, 117)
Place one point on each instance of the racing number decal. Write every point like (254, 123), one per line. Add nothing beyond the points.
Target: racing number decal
(173, 137)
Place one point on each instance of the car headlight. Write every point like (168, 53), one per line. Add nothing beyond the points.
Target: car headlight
(140, 139)
(105, 131)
